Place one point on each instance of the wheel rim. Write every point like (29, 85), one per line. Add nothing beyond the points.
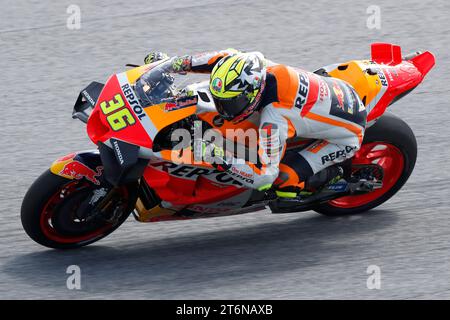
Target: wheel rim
(386, 155)
(52, 211)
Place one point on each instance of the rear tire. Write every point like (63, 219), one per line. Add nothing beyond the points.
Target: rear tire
(391, 130)
(47, 187)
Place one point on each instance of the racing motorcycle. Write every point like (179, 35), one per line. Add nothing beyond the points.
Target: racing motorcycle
(137, 168)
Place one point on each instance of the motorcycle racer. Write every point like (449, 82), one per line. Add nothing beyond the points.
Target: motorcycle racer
(286, 103)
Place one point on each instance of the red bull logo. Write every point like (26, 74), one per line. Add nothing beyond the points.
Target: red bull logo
(339, 94)
(78, 170)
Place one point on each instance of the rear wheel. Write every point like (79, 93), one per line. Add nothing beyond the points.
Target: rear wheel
(60, 213)
(391, 144)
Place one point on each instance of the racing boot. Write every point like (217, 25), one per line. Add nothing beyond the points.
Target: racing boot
(321, 186)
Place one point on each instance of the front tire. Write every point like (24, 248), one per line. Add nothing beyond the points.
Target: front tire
(50, 209)
(391, 140)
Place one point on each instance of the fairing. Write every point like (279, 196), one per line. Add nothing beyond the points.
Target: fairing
(385, 78)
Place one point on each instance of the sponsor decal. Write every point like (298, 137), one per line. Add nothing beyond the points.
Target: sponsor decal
(338, 154)
(133, 102)
(181, 103)
(324, 91)
(88, 97)
(217, 84)
(78, 170)
(187, 102)
(337, 187)
(389, 74)
(170, 106)
(339, 94)
(350, 105)
(382, 77)
(241, 173)
(303, 89)
(351, 99)
(256, 82)
(118, 152)
(117, 115)
(244, 176)
(193, 173)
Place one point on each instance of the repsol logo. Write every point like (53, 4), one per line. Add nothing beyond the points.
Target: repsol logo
(134, 103)
(381, 76)
(303, 89)
(194, 172)
(383, 79)
(338, 154)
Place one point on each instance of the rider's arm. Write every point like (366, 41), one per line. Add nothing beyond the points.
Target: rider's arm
(273, 133)
(203, 62)
(199, 63)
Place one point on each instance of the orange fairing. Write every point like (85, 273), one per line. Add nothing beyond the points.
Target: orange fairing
(162, 117)
(136, 73)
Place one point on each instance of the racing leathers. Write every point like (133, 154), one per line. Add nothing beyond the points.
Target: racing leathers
(295, 104)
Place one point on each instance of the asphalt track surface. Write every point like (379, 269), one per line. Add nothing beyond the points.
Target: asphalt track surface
(256, 256)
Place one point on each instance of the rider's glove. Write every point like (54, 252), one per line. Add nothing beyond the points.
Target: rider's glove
(220, 159)
(211, 153)
(181, 64)
(155, 56)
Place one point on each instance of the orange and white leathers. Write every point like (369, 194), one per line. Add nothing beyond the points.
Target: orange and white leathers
(295, 103)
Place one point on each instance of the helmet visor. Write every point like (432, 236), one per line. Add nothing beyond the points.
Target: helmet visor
(232, 107)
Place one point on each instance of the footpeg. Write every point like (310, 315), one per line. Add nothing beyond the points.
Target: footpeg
(364, 186)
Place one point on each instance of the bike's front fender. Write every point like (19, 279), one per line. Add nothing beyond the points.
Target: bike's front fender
(118, 166)
(78, 165)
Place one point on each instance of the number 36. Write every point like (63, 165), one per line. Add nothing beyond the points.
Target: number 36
(118, 117)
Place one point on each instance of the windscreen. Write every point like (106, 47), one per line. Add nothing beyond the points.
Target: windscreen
(160, 85)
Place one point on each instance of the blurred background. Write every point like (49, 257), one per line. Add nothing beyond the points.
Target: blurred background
(45, 61)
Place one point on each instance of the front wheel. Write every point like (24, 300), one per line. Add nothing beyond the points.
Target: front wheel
(391, 144)
(61, 213)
